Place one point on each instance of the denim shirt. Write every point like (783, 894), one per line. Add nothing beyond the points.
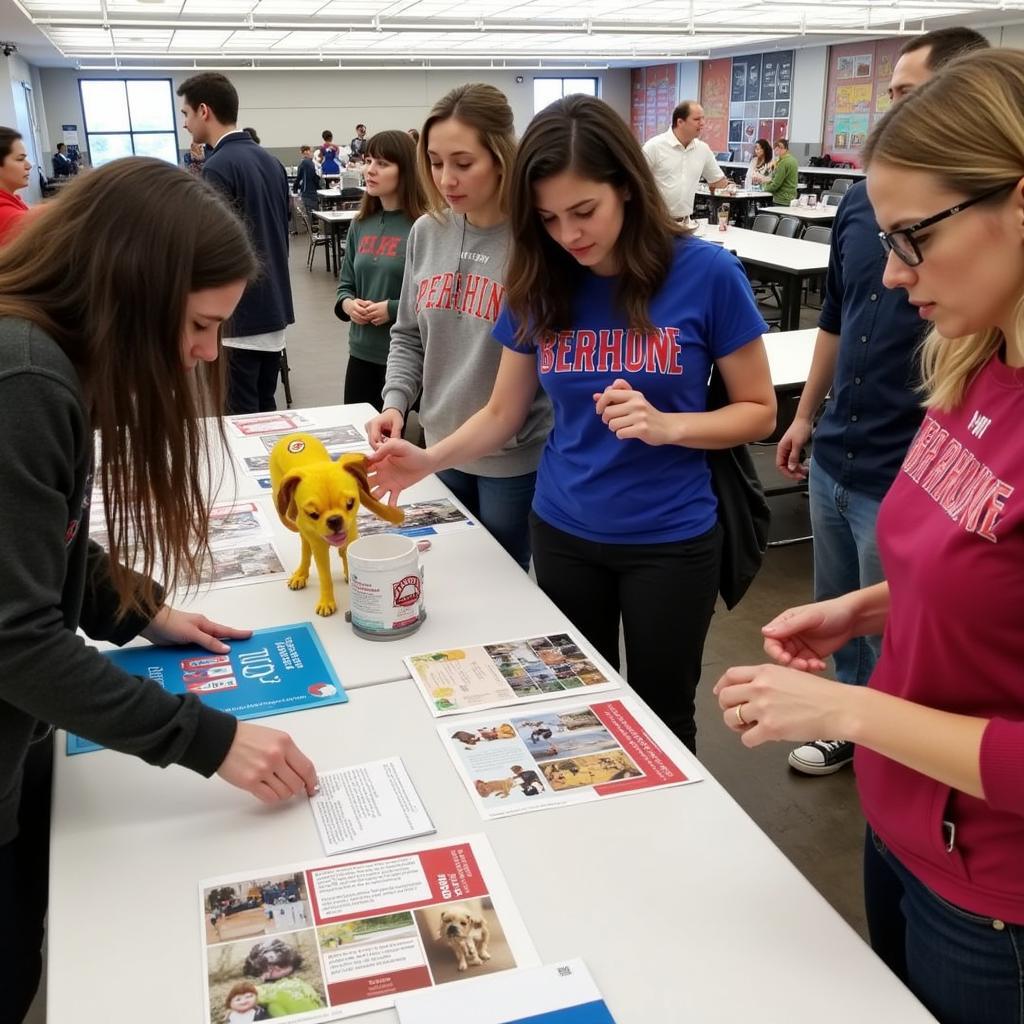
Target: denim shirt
(875, 409)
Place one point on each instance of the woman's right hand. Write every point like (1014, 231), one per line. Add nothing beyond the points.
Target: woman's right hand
(395, 466)
(804, 637)
(387, 425)
(268, 764)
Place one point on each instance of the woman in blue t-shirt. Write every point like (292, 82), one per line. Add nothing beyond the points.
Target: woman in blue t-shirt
(621, 315)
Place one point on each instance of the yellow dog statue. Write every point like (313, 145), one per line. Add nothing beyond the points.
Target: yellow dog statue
(318, 498)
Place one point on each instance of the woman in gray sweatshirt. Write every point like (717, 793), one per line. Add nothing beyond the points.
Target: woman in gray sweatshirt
(441, 343)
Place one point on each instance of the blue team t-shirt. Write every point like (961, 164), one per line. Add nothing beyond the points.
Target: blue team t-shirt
(590, 483)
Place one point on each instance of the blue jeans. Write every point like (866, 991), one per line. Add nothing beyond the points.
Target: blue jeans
(967, 969)
(845, 559)
(501, 503)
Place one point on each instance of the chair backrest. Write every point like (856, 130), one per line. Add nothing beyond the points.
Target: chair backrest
(348, 195)
(818, 233)
(840, 186)
(725, 157)
(766, 222)
(830, 199)
(788, 227)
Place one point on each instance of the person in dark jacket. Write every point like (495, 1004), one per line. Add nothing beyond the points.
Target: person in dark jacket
(63, 165)
(307, 181)
(257, 185)
(124, 360)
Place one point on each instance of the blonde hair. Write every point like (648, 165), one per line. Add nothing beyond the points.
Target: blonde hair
(485, 109)
(973, 109)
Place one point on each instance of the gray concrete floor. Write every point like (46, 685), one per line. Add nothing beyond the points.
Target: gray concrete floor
(816, 822)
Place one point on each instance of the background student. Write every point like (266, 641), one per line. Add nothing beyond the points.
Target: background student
(374, 264)
(939, 729)
(621, 316)
(452, 293)
(14, 174)
(111, 301)
(307, 182)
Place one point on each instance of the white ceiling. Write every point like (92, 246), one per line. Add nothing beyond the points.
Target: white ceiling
(237, 34)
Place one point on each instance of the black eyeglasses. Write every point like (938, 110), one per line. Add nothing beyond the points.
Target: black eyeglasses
(902, 241)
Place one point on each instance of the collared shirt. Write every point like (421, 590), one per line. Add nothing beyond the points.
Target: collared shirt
(678, 168)
(875, 409)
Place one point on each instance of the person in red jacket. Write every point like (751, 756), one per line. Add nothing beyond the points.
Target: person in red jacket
(939, 730)
(14, 171)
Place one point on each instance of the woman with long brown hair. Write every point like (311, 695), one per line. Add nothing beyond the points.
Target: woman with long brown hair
(939, 729)
(374, 264)
(442, 348)
(111, 302)
(621, 315)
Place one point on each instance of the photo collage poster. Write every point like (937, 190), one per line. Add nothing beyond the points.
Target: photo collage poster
(760, 101)
(857, 95)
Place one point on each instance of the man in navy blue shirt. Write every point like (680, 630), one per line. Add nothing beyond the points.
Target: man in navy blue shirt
(866, 351)
(257, 185)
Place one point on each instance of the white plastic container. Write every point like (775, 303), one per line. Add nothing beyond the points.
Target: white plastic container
(385, 586)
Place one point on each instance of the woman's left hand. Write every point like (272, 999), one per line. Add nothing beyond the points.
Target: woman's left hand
(376, 313)
(628, 414)
(777, 703)
(170, 626)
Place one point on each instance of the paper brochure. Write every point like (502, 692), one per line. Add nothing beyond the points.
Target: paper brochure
(323, 941)
(512, 672)
(539, 758)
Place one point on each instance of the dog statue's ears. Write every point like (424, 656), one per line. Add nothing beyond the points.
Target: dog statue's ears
(285, 497)
(356, 465)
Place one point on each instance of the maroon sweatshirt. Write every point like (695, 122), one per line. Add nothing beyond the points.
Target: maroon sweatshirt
(951, 535)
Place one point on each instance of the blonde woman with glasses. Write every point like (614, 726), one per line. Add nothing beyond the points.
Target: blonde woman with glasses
(940, 728)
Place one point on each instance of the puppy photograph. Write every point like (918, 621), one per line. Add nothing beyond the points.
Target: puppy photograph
(318, 498)
(463, 939)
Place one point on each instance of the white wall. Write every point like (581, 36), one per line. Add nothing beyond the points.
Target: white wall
(289, 108)
(807, 109)
(15, 74)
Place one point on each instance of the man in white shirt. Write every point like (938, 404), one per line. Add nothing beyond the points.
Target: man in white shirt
(679, 159)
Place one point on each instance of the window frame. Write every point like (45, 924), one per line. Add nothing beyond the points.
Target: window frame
(562, 80)
(130, 132)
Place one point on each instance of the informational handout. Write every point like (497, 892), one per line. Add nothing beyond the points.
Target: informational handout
(367, 805)
(327, 941)
(561, 993)
(275, 671)
(509, 672)
(541, 758)
(422, 519)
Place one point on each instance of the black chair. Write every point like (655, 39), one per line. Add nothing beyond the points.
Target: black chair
(317, 236)
(840, 186)
(788, 227)
(286, 377)
(818, 233)
(765, 222)
(350, 198)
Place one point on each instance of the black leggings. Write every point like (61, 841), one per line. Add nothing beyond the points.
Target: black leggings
(665, 596)
(364, 382)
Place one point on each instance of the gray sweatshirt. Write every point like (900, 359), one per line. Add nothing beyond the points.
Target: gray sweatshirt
(441, 342)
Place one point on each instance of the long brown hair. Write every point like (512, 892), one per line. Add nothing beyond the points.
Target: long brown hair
(485, 109)
(399, 149)
(106, 271)
(584, 135)
(972, 108)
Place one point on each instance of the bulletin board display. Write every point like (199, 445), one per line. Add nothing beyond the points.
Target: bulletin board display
(654, 92)
(759, 99)
(715, 86)
(857, 95)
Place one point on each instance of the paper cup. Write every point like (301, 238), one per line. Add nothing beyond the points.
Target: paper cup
(385, 586)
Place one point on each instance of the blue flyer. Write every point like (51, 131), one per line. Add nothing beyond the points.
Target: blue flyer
(274, 671)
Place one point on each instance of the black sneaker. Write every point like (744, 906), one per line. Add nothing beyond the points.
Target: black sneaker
(821, 757)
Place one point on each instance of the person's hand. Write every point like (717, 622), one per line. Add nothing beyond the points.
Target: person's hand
(356, 310)
(395, 466)
(388, 424)
(268, 764)
(790, 449)
(628, 414)
(778, 703)
(803, 637)
(170, 626)
(377, 312)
